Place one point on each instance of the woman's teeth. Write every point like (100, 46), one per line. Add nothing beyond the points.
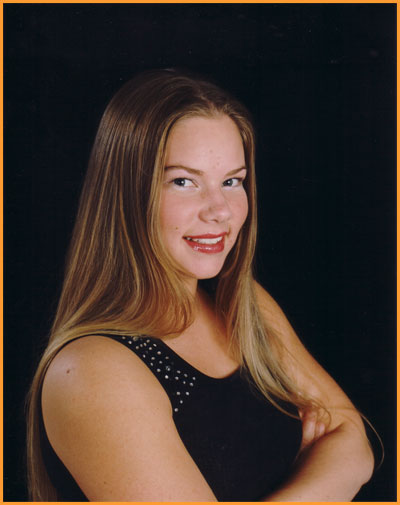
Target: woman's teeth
(205, 240)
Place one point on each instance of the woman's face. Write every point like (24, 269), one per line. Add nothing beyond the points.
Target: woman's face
(203, 202)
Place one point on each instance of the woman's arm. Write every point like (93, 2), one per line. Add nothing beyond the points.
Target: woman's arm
(336, 461)
(331, 469)
(110, 422)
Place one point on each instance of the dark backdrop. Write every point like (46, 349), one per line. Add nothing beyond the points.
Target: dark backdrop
(320, 83)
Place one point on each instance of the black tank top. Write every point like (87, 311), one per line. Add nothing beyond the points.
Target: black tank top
(243, 445)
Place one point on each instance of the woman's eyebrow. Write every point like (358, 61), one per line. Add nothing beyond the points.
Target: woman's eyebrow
(194, 171)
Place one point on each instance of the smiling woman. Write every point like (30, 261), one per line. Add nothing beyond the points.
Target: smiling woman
(203, 208)
(154, 387)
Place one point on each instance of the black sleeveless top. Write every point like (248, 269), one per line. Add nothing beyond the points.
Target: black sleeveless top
(242, 444)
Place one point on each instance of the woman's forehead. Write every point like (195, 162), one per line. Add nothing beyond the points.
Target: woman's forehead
(200, 141)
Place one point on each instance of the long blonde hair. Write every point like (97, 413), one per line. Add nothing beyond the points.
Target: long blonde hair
(119, 278)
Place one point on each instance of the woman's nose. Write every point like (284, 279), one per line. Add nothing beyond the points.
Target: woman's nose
(215, 207)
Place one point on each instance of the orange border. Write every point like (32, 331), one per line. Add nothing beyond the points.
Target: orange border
(1, 196)
(1, 247)
(398, 256)
(207, 1)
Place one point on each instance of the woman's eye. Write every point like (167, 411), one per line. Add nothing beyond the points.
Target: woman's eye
(234, 181)
(182, 182)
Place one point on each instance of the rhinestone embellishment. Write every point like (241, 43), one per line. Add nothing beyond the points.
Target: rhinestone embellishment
(176, 381)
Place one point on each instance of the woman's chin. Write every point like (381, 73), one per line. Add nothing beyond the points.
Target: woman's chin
(204, 273)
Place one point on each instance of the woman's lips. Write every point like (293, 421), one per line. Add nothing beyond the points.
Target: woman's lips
(208, 243)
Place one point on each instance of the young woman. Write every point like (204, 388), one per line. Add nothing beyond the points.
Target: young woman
(159, 384)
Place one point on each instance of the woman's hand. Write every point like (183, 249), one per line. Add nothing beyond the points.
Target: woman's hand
(313, 428)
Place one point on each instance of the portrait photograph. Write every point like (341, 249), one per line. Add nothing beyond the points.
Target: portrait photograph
(200, 252)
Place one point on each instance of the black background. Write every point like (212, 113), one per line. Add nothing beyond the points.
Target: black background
(320, 83)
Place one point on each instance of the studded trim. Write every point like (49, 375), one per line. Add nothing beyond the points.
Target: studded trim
(178, 382)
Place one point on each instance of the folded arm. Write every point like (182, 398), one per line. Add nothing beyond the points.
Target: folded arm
(110, 422)
(337, 459)
(332, 469)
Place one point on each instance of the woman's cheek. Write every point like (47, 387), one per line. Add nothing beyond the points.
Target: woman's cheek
(242, 208)
(175, 210)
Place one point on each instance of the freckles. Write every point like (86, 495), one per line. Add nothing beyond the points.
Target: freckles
(241, 204)
(241, 210)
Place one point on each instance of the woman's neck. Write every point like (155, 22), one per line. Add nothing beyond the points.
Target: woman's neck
(204, 344)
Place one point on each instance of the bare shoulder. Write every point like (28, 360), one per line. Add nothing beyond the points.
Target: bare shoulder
(97, 364)
(110, 422)
(273, 314)
(278, 323)
(306, 373)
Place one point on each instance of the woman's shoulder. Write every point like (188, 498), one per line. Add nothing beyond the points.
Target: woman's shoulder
(271, 311)
(96, 372)
(110, 422)
(98, 361)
